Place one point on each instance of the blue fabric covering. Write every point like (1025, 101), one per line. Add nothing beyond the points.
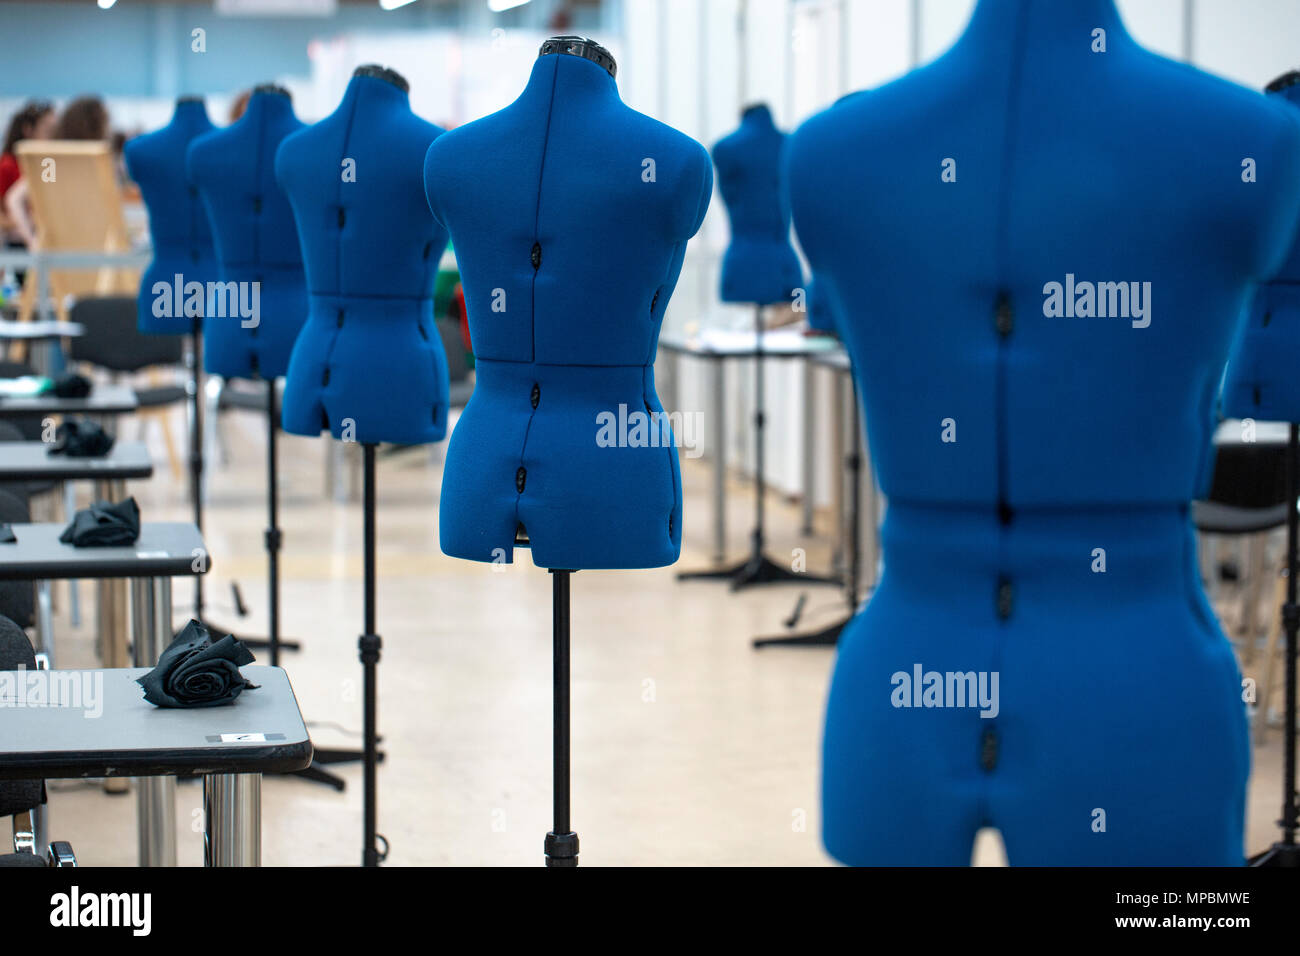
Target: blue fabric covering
(821, 317)
(1076, 439)
(369, 363)
(256, 240)
(178, 225)
(760, 265)
(603, 200)
(1263, 379)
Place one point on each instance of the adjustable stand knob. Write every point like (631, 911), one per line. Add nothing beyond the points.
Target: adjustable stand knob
(561, 849)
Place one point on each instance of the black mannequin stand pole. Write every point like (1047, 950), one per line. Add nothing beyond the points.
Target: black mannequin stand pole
(561, 843)
(196, 487)
(830, 636)
(274, 538)
(368, 646)
(758, 568)
(1286, 853)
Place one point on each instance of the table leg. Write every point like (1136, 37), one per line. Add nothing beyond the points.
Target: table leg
(809, 446)
(151, 619)
(232, 819)
(112, 601)
(870, 508)
(839, 455)
(719, 462)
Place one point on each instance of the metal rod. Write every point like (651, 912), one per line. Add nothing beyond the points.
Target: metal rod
(196, 445)
(1291, 617)
(560, 642)
(369, 646)
(232, 819)
(719, 460)
(760, 485)
(273, 526)
(151, 615)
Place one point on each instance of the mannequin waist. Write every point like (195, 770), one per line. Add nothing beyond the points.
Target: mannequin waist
(336, 310)
(265, 273)
(1080, 561)
(584, 391)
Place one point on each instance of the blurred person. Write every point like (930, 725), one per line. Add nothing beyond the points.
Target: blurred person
(85, 118)
(35, 120)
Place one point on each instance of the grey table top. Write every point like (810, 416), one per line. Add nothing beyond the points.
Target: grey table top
(164, 549)
(837, 359)
(32, 461)
(96, 723)
(40, 329)
(102, 400)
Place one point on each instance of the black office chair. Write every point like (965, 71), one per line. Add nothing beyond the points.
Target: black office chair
(22, 799)
(17, 598)
(112, 341)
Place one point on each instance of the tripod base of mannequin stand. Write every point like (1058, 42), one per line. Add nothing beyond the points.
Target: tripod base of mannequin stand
(1279, 856)
(826, 637)
(758, 569)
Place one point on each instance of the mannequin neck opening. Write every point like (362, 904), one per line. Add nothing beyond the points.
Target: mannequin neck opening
(582, 47)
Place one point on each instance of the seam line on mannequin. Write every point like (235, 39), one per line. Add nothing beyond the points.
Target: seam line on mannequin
(537, 214)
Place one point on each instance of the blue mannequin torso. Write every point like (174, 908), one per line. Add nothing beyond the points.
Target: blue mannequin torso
(760, 265)
(569, 213)
(1038, 465)
(369, 364)
(1261, 380)
(255, 238)
(178, 224)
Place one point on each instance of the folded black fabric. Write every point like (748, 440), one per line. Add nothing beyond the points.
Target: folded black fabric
(104, 525)
(81, 439)
(195, 672)
(71, 385)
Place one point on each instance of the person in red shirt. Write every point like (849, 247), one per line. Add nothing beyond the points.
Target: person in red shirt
(34, 121)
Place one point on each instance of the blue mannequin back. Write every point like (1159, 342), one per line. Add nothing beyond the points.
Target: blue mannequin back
(760, 265)
(371, 247)
(821, 317)
(1037, 248)
(1261, 381)
(255, 238)
(178, 224)
(569, 213)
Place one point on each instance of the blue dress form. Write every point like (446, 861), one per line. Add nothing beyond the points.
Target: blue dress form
(1039, 461)
(1262, 380)
(178, 224)
(569, 213)
(760, 265)
(255, 237)
(369, 363)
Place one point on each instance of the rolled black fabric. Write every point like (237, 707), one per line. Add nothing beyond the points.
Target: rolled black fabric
(71, 385)
(81, 439)
(195, 672)
(104, 525)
